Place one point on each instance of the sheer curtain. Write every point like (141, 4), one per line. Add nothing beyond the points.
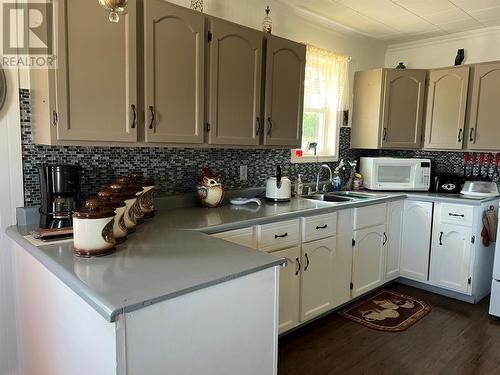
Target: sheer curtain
(326, 88)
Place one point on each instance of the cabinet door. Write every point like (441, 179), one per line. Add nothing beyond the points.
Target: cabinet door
(174, 73)
(318, 259)
(451, 257)
(96, 78)
(368, 264)
(284, 102)
(446, 105)
(235, 84)
(415, 246)
(403, 108)
(289, 291)
(394, 229)
(484, 126)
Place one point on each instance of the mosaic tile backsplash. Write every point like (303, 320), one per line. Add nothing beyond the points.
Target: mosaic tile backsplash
(175, 170)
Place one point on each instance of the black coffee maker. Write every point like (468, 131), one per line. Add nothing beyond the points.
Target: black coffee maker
(60, 193)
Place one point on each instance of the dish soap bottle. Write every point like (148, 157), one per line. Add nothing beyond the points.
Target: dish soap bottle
(299, 187)
(336, 181)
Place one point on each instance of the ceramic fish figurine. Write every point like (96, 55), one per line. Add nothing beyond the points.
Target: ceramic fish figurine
(210, 190)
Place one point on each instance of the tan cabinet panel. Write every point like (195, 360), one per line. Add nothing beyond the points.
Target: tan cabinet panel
(96, 93)
(446, 106)
(484, 120)
(403, 108)
(284, 102)
(235, 84)
(174, 73)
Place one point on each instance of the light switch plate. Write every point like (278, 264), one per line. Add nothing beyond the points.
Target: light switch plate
(243, 173)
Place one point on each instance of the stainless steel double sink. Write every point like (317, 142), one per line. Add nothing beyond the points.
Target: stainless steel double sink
(342, 196)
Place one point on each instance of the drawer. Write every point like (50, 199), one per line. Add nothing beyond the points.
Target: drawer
(280, 235)
(369, 216)
(456, 214)
(318, 227)
(245, 237)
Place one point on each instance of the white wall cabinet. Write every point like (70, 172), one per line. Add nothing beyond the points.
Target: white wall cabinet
(317, 277)
(289, 289)
(394, 234)
(368, 265)
(415, 249)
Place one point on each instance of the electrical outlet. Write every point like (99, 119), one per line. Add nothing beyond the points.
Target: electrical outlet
(243, 173)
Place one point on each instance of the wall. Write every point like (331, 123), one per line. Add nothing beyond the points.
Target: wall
(480, 45)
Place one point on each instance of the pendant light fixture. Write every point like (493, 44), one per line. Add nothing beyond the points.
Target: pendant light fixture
(115, 8)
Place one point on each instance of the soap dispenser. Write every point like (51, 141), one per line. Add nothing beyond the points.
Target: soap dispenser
(299, 187)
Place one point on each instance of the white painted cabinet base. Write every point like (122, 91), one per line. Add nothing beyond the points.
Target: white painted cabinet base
(229, 328)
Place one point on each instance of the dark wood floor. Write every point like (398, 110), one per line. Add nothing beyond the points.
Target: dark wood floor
(455, 338)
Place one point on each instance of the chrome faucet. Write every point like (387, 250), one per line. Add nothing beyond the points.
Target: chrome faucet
(323, 166)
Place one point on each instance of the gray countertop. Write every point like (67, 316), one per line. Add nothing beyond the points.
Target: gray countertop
(172, 254)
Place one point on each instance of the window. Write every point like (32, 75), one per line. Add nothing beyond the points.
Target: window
(326, 89)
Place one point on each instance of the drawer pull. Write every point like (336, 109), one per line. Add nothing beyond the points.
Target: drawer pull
(456, 215)
(298, 266)
(276, 236)
(307, 263)
(322, 227)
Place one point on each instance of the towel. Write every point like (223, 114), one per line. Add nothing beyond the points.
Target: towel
(490, 222)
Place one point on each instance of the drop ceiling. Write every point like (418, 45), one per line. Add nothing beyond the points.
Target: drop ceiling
(396, 21)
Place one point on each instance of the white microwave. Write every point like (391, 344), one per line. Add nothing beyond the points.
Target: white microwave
(396, 174)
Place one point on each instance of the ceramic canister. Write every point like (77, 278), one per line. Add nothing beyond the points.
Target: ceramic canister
(93, 230)
(119, 228)
(130, 200)
(131, 187)
(146, 200)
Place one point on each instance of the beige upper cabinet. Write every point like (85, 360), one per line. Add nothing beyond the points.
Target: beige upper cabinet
(92, 95)
(388, 108)
(284, 93)
(235, 84)
(446, 107)
(174, 65)
(484, 119)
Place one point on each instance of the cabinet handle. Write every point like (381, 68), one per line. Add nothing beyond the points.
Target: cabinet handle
(55, 118)
(441, 239)
(307, 262)
(385, 239)
(456, 215)
(471, 134)
(385, 134)
(280, 235)
(152, 110)
(460, 135)
(258, 126)
(322, 227)
(297, 271)
(134, 114)
(270, 123)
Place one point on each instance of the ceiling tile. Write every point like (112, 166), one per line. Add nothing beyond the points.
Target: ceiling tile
(410, 23)
(423, 7)
(447, 16)
(375, 9)
(463, 25)
(472, 5)
(486, 14)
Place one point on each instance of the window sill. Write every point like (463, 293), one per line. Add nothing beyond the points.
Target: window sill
(314, 159)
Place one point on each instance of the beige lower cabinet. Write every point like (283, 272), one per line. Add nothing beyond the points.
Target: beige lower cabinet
(484, 112)
(317, 277)
(289, 291)
(394, 230)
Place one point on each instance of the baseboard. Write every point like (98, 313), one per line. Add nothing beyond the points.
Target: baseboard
(437, 290)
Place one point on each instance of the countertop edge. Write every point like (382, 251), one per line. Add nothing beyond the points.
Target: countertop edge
(108, 314)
